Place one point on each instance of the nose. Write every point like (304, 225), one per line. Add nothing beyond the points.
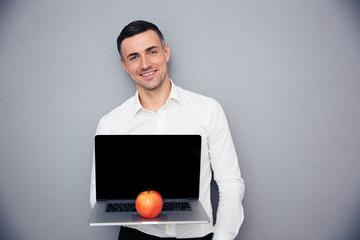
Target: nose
(145, 63)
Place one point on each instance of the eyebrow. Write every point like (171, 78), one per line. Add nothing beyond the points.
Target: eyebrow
(146, 50)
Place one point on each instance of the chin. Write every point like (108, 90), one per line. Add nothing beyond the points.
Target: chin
(152, 85)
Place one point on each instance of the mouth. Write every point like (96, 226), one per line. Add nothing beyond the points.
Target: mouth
(148, 74)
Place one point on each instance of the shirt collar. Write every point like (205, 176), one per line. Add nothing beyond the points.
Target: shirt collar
(174, 95)
(175, 92)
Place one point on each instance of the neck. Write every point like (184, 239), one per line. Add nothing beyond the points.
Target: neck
(153, 100)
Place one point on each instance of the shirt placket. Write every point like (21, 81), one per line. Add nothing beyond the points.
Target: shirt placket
(160, 122)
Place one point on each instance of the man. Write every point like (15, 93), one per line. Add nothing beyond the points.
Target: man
(161, 107)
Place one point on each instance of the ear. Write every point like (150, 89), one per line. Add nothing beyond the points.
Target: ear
(167, 52)
(123, 64)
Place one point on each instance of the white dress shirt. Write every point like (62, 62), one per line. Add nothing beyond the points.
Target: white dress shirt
(186, 112)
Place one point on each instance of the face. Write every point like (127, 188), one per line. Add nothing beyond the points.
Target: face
(145, 59)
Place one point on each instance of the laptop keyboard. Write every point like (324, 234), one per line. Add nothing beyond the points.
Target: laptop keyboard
(130, 207)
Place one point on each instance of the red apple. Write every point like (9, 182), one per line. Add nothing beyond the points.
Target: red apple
(149, 204)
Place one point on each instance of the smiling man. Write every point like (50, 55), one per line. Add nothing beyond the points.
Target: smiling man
(161, 107)
(145, 58)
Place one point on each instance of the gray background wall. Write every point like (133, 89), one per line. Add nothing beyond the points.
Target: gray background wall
(286, 73)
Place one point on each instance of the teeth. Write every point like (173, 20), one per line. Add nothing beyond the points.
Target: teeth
(147, 74)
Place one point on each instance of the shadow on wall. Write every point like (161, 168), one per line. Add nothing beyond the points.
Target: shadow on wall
(355, 6)
(5, 10)
(353, 231)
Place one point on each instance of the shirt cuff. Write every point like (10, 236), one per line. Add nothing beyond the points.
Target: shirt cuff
(220, 236)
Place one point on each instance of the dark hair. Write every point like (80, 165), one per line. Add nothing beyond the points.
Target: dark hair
(137, 27)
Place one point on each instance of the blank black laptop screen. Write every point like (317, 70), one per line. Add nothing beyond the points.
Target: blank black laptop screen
(126, 165)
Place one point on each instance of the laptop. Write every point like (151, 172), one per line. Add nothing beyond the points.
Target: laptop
(126, 165)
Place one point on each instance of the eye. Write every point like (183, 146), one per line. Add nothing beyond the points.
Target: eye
(133, 58)
(152, 52)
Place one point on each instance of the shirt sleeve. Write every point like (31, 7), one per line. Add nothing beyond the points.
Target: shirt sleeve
(92, 184)
(227, 175)
(101, 129)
